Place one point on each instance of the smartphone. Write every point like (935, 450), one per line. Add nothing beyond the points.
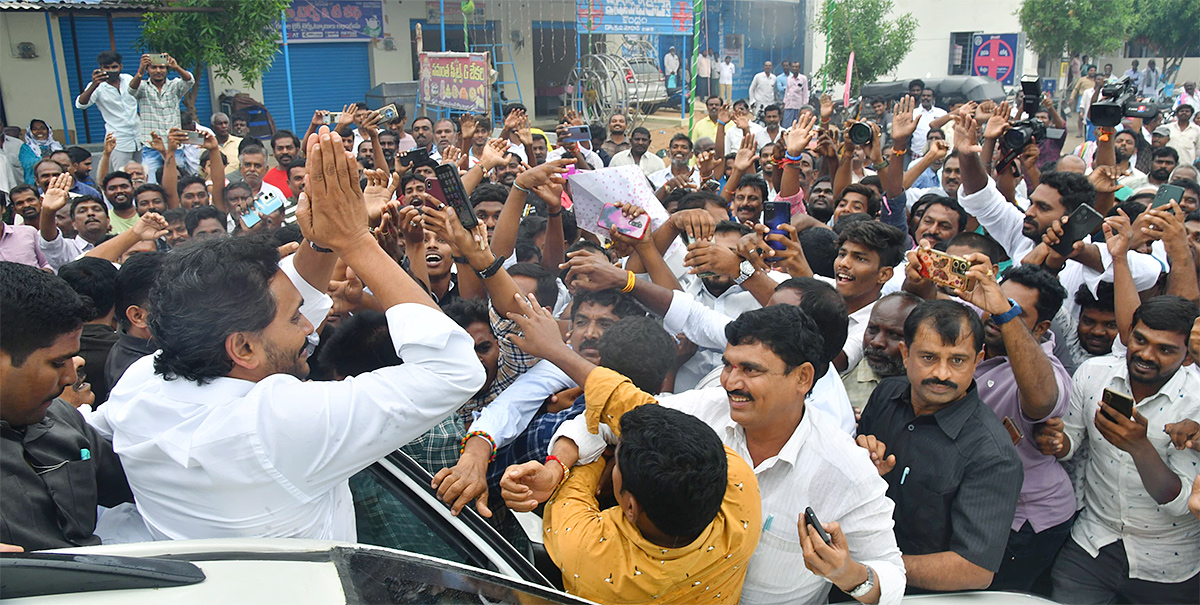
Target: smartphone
(611, 216)
(159, 59)
(944, 269)
(1084, 221)
(811, 518)
(195, 138)
(577, 134)
(268, 202)
(418, 156)
(251, 217)
(332, 117)
(1013, 432)
(448, 188)
(389, 112)
(778, 213)
(1118, 401)
(1165, 194)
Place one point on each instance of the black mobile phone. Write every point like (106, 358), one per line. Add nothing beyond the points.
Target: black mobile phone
(448, 188)
(418, 156)
(811, 518)
(1118, 401)
(1084, 221)
(577, 134)
(1165, 194)
(778, 213)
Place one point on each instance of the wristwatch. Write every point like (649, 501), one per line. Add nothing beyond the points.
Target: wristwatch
(746, 271)
(1008, 315)
(862, 589)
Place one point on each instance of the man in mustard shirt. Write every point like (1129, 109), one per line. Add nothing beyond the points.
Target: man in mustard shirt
(689, 512)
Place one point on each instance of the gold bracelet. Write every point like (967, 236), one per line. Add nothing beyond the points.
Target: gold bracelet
(629, 283)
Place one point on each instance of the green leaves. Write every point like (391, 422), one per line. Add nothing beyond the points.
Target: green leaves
(237, 37)
(1170, 28)
(879, 44)
(1057, 27)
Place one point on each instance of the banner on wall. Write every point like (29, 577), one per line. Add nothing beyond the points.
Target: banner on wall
(664, 17)
(333, 20)
(457, 81)
(995, 55)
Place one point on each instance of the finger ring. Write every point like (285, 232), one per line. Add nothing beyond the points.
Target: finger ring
(989, 273)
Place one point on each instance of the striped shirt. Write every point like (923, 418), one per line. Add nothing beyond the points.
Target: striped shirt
(160, 108)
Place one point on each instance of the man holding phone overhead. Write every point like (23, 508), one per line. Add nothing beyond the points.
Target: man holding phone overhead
(1135, 537)
(158, 103)
(111, 91)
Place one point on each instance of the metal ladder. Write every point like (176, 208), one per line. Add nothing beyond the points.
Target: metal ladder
(499, 52)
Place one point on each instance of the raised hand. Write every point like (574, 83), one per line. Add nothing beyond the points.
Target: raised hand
(707, 257)
(698, 224)
(903, 122)
(1117, 233)
(332, 212)
(1104, 178)
(545, 180)
(966, 134)
(746, 155)
(707, 162)
(996, 125)
(150, 226)
(369, 123)
(379, 191)
(57, 192)
(493, 154)
(156, 143)
(826, 107)
(467, 124)
(801, 134)
(725, 113)
(741, 117)
(1184, 434)
(110, 142)
(523, 131)
(592, 273)
(540, 335)
(345, 119)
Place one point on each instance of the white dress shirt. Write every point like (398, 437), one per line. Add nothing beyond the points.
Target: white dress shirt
(706, 328)
(1160, 539)
(649, 163)
(819, 466)
(734, 136)
(1185, 140)
(234, 458)
(726, 70)
(658, 179)
(670, 63)
(60, 250)
(762, 89)
(120, 110)
(924, 118)
(509, 414)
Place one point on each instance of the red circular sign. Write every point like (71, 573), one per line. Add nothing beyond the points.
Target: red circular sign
(593, 10)
(994, 58)
(682, 15)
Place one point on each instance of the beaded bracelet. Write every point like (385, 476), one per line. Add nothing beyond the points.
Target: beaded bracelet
(462, 447)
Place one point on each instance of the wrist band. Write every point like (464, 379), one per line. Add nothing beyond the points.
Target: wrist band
(1009, 315)
(462, 447)
(520, 188)
(630, 282)
(459, 260)
(787, 155)
(899, 152)
(554, 214)
(722, 123)
(319, 248)
(494, 268)
(566, 471)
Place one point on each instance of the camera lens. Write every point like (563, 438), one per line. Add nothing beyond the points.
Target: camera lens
(860, 134)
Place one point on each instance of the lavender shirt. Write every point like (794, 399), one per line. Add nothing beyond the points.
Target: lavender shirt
(19, 244)
(1047, 498)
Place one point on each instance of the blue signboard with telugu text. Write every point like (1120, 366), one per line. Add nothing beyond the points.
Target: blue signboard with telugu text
(663, 17)
(333, 20)
(995, 55)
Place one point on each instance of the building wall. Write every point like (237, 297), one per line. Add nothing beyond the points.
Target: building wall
(28, 84)
(936, 20)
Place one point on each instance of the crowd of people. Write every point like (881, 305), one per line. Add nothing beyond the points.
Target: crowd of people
(217, 336)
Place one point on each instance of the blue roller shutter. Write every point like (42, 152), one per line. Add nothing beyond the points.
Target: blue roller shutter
(325, 75)
(92, 39)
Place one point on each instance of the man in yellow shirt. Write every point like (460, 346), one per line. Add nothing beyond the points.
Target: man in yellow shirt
(689, 512)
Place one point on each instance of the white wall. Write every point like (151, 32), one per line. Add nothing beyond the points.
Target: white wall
(936, 20)
(29, 88)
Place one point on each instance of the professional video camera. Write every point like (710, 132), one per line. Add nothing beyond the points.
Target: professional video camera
(1118, 100)
(1022, 133)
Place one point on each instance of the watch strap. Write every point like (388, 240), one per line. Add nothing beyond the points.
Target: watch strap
(862, 589)
(1008, 315)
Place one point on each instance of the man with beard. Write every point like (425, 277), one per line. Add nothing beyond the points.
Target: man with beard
(81, 165)
(679, 173)
(286, 147)
(1096, 327)
(1126, 148)
(1024, 383)
(928, 117)
(27, 205)
(389, 142)
(233, 346)
(820, 199)
(950, 465)
(638, 153)
(228, 143)
(507, 172)
(1164, 160)
(881, 348)
(541, 148)
(88, 214)
(1135, 539)
(366, 154)
(158, 104)
(48, 503)
(616, 141)
(118, 191)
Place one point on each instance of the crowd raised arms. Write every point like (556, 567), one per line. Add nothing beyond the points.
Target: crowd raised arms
(795, 355)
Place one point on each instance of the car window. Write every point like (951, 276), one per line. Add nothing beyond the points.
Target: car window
(643, 68)
(385, 518)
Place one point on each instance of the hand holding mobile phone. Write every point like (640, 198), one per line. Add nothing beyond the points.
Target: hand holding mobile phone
(944, 269)
(1083, 222)
(1119, 401)
(611, 216)
(810, 518)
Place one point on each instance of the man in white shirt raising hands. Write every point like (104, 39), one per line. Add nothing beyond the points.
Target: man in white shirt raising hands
(218, 433)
